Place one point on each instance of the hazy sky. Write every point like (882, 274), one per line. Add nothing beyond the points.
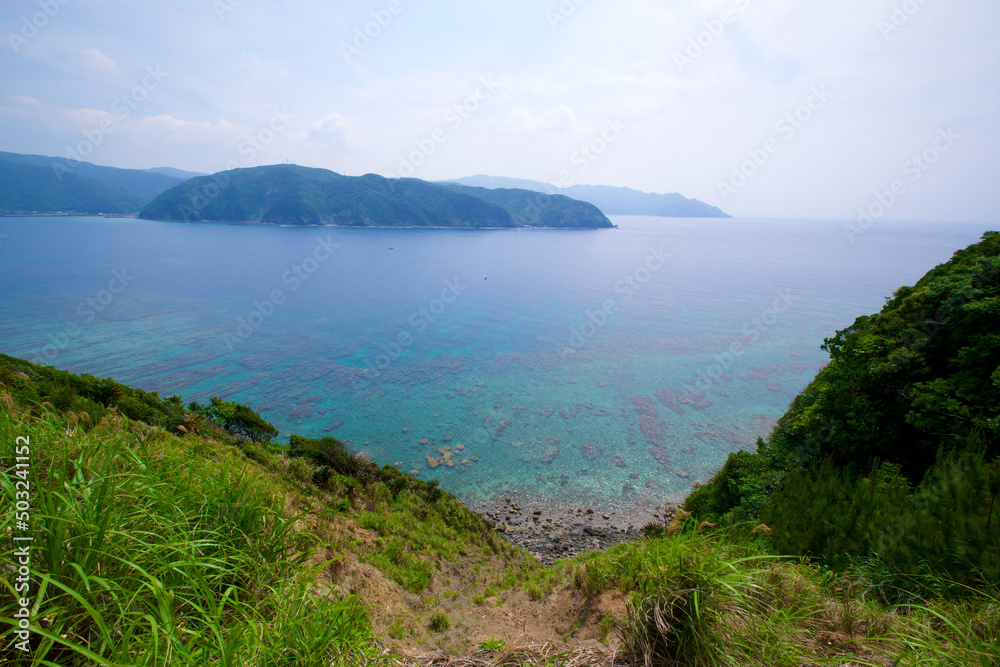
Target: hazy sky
(817, 106)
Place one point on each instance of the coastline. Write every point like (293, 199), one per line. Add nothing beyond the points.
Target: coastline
(551, 530)
(329, 226)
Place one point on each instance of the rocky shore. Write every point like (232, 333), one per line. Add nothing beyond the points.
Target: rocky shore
(553, 532)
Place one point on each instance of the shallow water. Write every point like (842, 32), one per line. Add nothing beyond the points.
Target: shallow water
(610, 366)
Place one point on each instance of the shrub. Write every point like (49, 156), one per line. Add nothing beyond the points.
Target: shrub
(329, 452)
(742, 488)
(949, 525)
(299, 470)
(492, 645)
(238, 420)
(31, 384)
(653, 529)
(439, 621)
(321, 476)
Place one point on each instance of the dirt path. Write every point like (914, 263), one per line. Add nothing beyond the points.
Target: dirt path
(563, 616)
(454, 615)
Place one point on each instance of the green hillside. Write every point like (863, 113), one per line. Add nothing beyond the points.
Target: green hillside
(891, 453)
(184, 535)
(46, 184)
(26, 188)
(533, 209)
(294, 195)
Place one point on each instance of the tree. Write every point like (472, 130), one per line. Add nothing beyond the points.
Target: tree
(237, 420)
(920, 377)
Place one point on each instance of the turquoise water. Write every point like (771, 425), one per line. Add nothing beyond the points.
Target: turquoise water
(610, 366)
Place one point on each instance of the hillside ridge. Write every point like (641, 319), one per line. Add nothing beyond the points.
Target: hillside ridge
(36, 183)
(613, 200)
(295, 195)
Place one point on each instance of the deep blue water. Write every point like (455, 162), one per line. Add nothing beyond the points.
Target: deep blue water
(542, 372)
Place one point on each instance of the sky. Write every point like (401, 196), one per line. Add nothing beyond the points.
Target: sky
(765, 108)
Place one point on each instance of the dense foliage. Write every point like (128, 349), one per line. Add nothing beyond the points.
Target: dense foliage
(86, 396)
(294, 195)
(948, 526)
(913, 391)
(88, 399)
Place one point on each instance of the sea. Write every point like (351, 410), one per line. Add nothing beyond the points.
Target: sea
(611, 368)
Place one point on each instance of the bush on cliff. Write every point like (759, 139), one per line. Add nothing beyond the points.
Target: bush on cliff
(906, 391)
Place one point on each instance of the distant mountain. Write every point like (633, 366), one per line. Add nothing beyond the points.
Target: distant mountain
(534, 209)
(30, 188)
(177, 173)
(611, 200)
(46, 184)
(293, 195)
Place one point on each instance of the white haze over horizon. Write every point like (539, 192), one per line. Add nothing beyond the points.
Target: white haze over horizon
(824, 105)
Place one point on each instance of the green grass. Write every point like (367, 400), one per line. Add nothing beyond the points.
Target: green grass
(399, 630)
(407, 569)
(150, 551)
(725, 599)
(414, 531)
(608, 625)
(492, 644)
(439, 621)
(964, 633)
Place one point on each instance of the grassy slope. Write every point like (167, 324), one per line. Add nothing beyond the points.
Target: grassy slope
(154, 547)
(197, 549)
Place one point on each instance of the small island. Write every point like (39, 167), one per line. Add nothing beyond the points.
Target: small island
(293, 195)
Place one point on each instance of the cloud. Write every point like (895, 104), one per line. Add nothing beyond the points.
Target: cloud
(24, 101)
(88, 118)
(21, 106)
(95, 60)
(143, 130)
(37, 112)
(170, 128)
(607, 60)
(558, 119)
(334, 130)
